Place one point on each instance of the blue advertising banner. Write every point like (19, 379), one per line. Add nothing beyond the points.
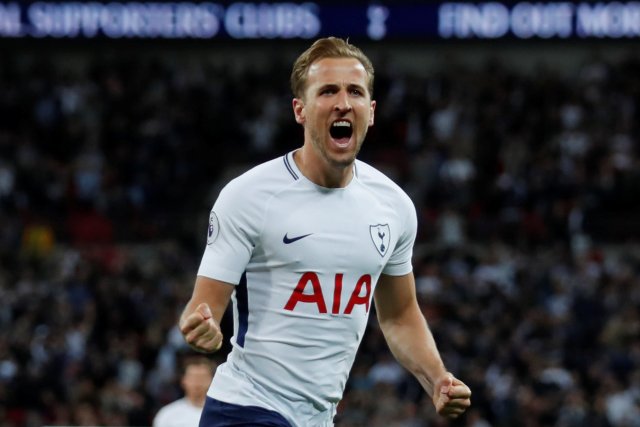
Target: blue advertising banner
(306, 20)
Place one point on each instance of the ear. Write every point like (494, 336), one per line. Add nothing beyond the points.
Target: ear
(372, 111)
(298, 110)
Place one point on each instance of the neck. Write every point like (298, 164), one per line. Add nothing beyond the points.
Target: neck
(320, 171)
(197, 400)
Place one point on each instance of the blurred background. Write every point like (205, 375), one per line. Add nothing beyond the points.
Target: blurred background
(513, 126)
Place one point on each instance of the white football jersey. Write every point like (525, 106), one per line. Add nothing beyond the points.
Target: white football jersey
(305, 260)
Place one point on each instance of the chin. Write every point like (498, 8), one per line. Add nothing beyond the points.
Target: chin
(342, 160)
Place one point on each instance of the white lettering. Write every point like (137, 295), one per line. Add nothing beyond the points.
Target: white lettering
(631, 20)
(614, 20)
(277, 20)
(377, 16)
(287, 20)
(90, 19)
(311, 24)
(10, 25)
(117, 20)
(198, 21)
(542, 20)
(462, 20)
(39, 20)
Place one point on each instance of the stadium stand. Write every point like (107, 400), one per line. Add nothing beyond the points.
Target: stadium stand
(527, 262)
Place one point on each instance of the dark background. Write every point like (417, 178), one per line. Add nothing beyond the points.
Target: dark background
(521, 157)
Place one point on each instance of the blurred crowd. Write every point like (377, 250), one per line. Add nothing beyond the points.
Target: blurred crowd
(527, 260)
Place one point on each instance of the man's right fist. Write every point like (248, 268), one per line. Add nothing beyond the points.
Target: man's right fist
(201, 331)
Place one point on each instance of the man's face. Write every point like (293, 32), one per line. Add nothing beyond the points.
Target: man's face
(336, 110)
(196, 380)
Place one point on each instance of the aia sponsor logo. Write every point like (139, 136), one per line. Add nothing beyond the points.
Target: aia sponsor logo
(309, 291)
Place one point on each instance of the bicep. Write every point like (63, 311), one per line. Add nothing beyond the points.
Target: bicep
(395, 296)
(213, 292)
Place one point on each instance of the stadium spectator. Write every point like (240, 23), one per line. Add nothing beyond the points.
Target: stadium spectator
(185, 412)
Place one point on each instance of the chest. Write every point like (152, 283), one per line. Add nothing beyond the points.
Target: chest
(334, 232)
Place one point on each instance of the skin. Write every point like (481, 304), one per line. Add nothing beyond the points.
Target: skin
(337, 90)
(200, 320)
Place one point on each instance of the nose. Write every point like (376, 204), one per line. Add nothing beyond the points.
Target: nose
(342, 103)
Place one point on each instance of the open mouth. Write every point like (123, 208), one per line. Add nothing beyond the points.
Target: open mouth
(341, 131)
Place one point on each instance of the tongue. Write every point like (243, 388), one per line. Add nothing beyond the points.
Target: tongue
(342, 141)
(340, 135)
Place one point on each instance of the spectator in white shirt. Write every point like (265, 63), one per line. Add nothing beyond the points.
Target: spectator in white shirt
(185, 412)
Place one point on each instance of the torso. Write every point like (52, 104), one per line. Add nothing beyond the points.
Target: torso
(315, 257)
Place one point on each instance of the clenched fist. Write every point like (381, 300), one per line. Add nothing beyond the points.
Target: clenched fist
(201, 331)
(451, 396)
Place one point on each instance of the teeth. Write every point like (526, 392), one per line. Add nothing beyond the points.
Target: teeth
(341, 124)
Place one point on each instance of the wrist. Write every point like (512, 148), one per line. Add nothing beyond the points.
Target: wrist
(430, 377)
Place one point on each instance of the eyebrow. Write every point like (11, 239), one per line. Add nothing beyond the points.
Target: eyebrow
(328, 86)
(337, 86)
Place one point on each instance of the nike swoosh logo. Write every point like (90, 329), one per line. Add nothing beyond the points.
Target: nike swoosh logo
(286, 239)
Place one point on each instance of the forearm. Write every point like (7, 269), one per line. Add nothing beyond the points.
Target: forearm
(211, 292)
(412, 344)
(200, 320)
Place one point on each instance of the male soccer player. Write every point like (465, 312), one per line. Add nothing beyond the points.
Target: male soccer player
(185, 412)
(301, 244)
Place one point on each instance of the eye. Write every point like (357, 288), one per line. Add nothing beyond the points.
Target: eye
(327, 91)
(356, 92)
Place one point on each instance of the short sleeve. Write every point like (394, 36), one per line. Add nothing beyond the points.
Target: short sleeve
(399, 262)
(231, 235)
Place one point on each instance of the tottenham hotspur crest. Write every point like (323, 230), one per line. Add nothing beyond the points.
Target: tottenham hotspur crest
(380, 236)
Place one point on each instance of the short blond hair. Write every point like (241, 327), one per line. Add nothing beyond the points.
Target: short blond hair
(329, 47)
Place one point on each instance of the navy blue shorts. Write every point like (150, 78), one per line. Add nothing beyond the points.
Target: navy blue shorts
(221, 414)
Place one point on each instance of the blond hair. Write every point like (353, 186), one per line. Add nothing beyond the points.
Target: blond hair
(330, 47)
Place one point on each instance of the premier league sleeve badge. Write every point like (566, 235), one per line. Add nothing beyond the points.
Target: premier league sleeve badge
(214, 228)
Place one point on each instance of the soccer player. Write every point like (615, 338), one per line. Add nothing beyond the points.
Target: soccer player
(302, 244)
(196, 378)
